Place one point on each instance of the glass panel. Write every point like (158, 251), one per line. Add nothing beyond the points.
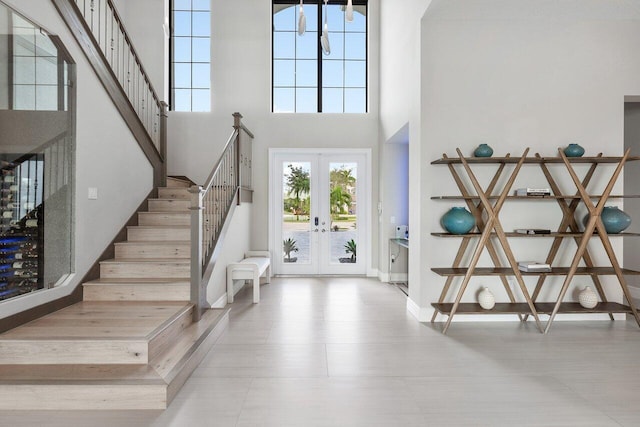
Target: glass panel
(342, 203)
(182, 24)
(182, 75)
(24, 97)
(295, 212)
(201, 22)
(284, 73)
(201, 5)
(332, 73)
(36, 167)
(355, 73)
(182, 100)
(181, 4)
(284, 100)
(47, 71)
(284, 45)
(182, 49)
(355, 100)
(46, 98)
(201, 76)
(201, 100)
(336, 41)
(201, 49)
(355, 46)
(25, 70)
(332, 100)
(307, 45)
(359, 20)
(285, 18)
(306, 73)
(306, 100)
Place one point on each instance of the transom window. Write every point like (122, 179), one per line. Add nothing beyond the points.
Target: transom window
(311, 75)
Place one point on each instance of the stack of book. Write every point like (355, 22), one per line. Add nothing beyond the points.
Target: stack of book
(533, 267)
(532, 231)
(533, 191)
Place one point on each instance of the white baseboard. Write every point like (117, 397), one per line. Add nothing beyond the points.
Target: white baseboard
(373, 272)
(422, 314)
(220, 302)
(398, 277)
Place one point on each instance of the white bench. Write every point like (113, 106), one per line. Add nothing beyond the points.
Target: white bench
(255, 264)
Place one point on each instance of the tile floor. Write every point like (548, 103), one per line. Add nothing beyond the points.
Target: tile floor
(344, 352)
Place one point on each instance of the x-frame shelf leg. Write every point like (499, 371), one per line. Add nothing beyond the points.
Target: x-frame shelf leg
(595, 222)
(492, 223)
(476, 210)
(569, 223)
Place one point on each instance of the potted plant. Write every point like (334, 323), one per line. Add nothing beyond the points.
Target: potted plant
(350, 248)
(288, 246)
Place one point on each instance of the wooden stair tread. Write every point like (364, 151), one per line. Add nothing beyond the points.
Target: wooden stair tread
(53, 327)
(137, 281)
(146, 260)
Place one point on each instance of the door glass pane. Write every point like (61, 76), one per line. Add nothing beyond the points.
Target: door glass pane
(343, 208)
(296, 208)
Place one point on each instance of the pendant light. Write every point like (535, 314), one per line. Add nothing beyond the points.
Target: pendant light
(349, 13)
(324, 39)
(302, 21)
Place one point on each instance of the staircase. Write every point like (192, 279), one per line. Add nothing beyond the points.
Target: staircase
(131, 343)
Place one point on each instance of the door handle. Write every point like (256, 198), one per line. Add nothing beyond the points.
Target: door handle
(315, 231)
(323, 230)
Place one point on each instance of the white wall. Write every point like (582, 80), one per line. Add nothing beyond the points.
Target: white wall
(400, 109)
(236, 243)
(241, 81)
(632, 186)
(107, 157)
(520, 74)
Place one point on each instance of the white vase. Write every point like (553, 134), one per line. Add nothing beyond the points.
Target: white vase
(588, 298)
(486, 299)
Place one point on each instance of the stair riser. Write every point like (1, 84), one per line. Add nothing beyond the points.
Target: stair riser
(168, 205)
(64, 352)
(143, 270)
(91, 396)
(177, 183)
(166, 338)
(174, 193)
(158, 234)
(132, 250)
(164, 218)
(146, 292)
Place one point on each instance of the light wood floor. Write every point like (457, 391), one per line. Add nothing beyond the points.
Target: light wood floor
(344, 352)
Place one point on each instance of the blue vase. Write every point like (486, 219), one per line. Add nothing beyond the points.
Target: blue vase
(573, 150)
(614, 219)
(483, 150)
(458, 220)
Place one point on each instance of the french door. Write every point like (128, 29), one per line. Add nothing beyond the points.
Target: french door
(320, 212)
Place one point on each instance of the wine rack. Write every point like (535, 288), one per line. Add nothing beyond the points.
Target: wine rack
(20, 235)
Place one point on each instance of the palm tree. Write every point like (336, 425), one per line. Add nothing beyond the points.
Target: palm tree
(298, 185)
(339, 198)
(288, 246)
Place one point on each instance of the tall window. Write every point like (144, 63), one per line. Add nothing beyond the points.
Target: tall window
(190, 55)
(309, 78)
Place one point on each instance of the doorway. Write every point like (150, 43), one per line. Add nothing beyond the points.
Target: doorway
(320, 212)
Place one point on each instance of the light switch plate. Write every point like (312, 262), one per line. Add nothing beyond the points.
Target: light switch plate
(93, 193)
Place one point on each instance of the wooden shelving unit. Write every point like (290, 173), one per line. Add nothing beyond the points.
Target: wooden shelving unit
(485, 204)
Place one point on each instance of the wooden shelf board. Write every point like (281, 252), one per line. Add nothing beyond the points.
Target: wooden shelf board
(523, 308)
(507, 271)
(538, 160)
(552, 197)
(513, 234)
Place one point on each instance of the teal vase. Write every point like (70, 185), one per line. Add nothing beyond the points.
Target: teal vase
(614, 220)
(458, 220)
(573, 150)
(483, 150)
